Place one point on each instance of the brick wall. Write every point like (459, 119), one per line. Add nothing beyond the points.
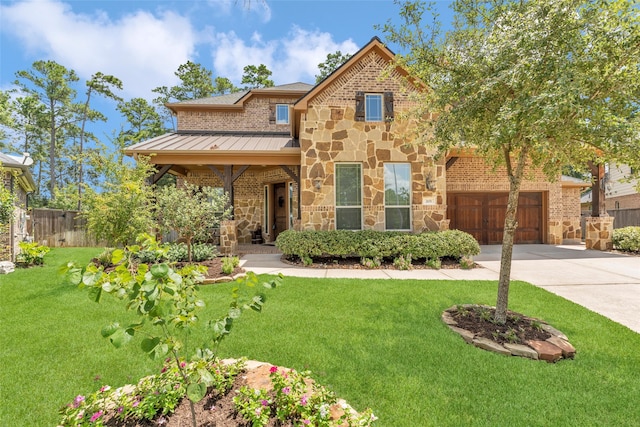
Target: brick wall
(631, 201)
(254, 117)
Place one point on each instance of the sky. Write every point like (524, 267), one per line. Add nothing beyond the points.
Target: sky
(143, 42)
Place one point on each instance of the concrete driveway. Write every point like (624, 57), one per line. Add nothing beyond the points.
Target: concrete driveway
(603, 282)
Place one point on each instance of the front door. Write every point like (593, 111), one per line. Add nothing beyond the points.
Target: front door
(280, 208)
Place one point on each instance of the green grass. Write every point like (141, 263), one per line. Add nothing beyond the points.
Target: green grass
(377, 343)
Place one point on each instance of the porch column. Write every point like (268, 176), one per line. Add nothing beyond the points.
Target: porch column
(228, 237)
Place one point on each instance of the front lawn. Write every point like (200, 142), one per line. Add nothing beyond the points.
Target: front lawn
(376, 343)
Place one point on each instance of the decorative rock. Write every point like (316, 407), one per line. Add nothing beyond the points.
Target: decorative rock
(446, 318)
(7, 267)
(466, 335)
(546, 350)
(522, 351)
(258, 378)
(568, 351)
(487, 344)
(554, 331)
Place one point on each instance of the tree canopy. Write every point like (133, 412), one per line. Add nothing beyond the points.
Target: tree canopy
(533, 83)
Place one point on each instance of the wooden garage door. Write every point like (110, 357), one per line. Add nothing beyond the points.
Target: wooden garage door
(482, 215)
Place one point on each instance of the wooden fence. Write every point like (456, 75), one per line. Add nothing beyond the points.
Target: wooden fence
(625, 217)
(57, 228)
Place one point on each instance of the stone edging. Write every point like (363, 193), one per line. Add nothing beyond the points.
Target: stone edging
(553, 349)
(222, 279)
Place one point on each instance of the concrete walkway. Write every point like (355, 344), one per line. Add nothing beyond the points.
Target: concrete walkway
(603, 282)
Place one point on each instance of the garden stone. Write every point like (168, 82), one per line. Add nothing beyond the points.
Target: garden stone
(490, 345)
(568, 351)
(522, 351)
(466, 335)
(7, 267)
(546, 350)
(554, 331)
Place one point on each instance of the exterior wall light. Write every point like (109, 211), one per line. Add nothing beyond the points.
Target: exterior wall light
(317, 183)
(430, 183)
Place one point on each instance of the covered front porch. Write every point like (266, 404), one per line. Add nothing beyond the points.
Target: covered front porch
(259, 172)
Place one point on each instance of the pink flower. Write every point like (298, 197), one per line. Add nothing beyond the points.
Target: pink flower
(286, 390)
(303, 400)
(264, 402)
(258, 412)
(78, 400)
(120, 409)
(164, 369)
(136, 403)
(96, 416)
(307, 422)
(183, 364)
(273, 369)
(104, 388)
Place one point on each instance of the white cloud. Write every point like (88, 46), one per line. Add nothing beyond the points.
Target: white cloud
(140, 48)
(291, 59)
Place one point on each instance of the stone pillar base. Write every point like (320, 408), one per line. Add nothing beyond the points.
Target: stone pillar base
(228, 237)
(554, 233)
(599, 232)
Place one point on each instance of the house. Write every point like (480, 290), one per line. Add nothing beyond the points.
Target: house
(337, 156)
(620, 192)
(15, 176)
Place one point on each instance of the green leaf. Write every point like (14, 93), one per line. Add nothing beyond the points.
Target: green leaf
(196, 391)
(121, 337)
(75, 276)
(149, 346)
(109, 330)
(206, 377)
(95, 294)
(234, 312)
(117, 256)
(160, 270)
(107, 287)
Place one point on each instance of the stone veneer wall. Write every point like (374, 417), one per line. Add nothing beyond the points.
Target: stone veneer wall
(248, 197)
(599, 233)
(469, 174)
(253, 118)
(330, 134)
(571, 224)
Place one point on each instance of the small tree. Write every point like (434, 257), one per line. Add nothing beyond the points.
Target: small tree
(124, 208)
(191, 211)
(528, 84)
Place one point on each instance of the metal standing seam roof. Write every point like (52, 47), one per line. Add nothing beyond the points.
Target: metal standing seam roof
(210, 143)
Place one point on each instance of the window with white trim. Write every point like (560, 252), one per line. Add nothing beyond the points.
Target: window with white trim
(397, 196)
(348, 186)
(373, 107)
(282, 114)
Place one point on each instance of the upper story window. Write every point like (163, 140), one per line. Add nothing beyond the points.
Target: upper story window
(282, 114)
(374, 107)
(279, 114)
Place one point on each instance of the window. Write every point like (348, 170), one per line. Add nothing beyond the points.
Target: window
(282, 114)
(397, 196)
(374, 107)
(348, 196)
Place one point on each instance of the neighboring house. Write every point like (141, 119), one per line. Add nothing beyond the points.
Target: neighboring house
(15, 176)
(620, 193)
(337, 156)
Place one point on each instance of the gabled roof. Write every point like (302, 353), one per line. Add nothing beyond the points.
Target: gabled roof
(237, 99)
(374, 45)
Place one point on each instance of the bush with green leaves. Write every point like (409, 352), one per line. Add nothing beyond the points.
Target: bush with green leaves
(7, 203)
(179, 252)
(167, 303)
(229, 264)
(31, 253)
(372, 244)
(627, 239)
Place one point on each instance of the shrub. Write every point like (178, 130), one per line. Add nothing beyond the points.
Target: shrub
(627, 239)
(32, 253)
(403, 262)
(369, 244)
(229, 263)
(179, 252)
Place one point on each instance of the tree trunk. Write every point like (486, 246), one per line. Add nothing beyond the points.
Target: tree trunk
(510, 225)
(52, 153)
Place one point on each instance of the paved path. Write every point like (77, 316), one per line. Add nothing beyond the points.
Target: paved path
(603, 282)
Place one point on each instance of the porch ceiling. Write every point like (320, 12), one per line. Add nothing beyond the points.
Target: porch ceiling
(199, 148)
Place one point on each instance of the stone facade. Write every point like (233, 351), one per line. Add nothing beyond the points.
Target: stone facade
(599, 233)
(330, 134)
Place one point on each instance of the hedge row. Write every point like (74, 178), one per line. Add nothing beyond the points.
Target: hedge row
(627, 239)
(377, 244)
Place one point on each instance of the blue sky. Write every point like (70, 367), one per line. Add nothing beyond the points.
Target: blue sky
(144, 42)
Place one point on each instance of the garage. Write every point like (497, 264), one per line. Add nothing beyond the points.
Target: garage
(482, 215)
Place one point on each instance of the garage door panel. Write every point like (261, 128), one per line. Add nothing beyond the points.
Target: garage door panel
(482, 215)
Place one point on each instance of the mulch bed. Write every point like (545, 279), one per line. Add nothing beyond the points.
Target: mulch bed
(354, 263)
(518, 328)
